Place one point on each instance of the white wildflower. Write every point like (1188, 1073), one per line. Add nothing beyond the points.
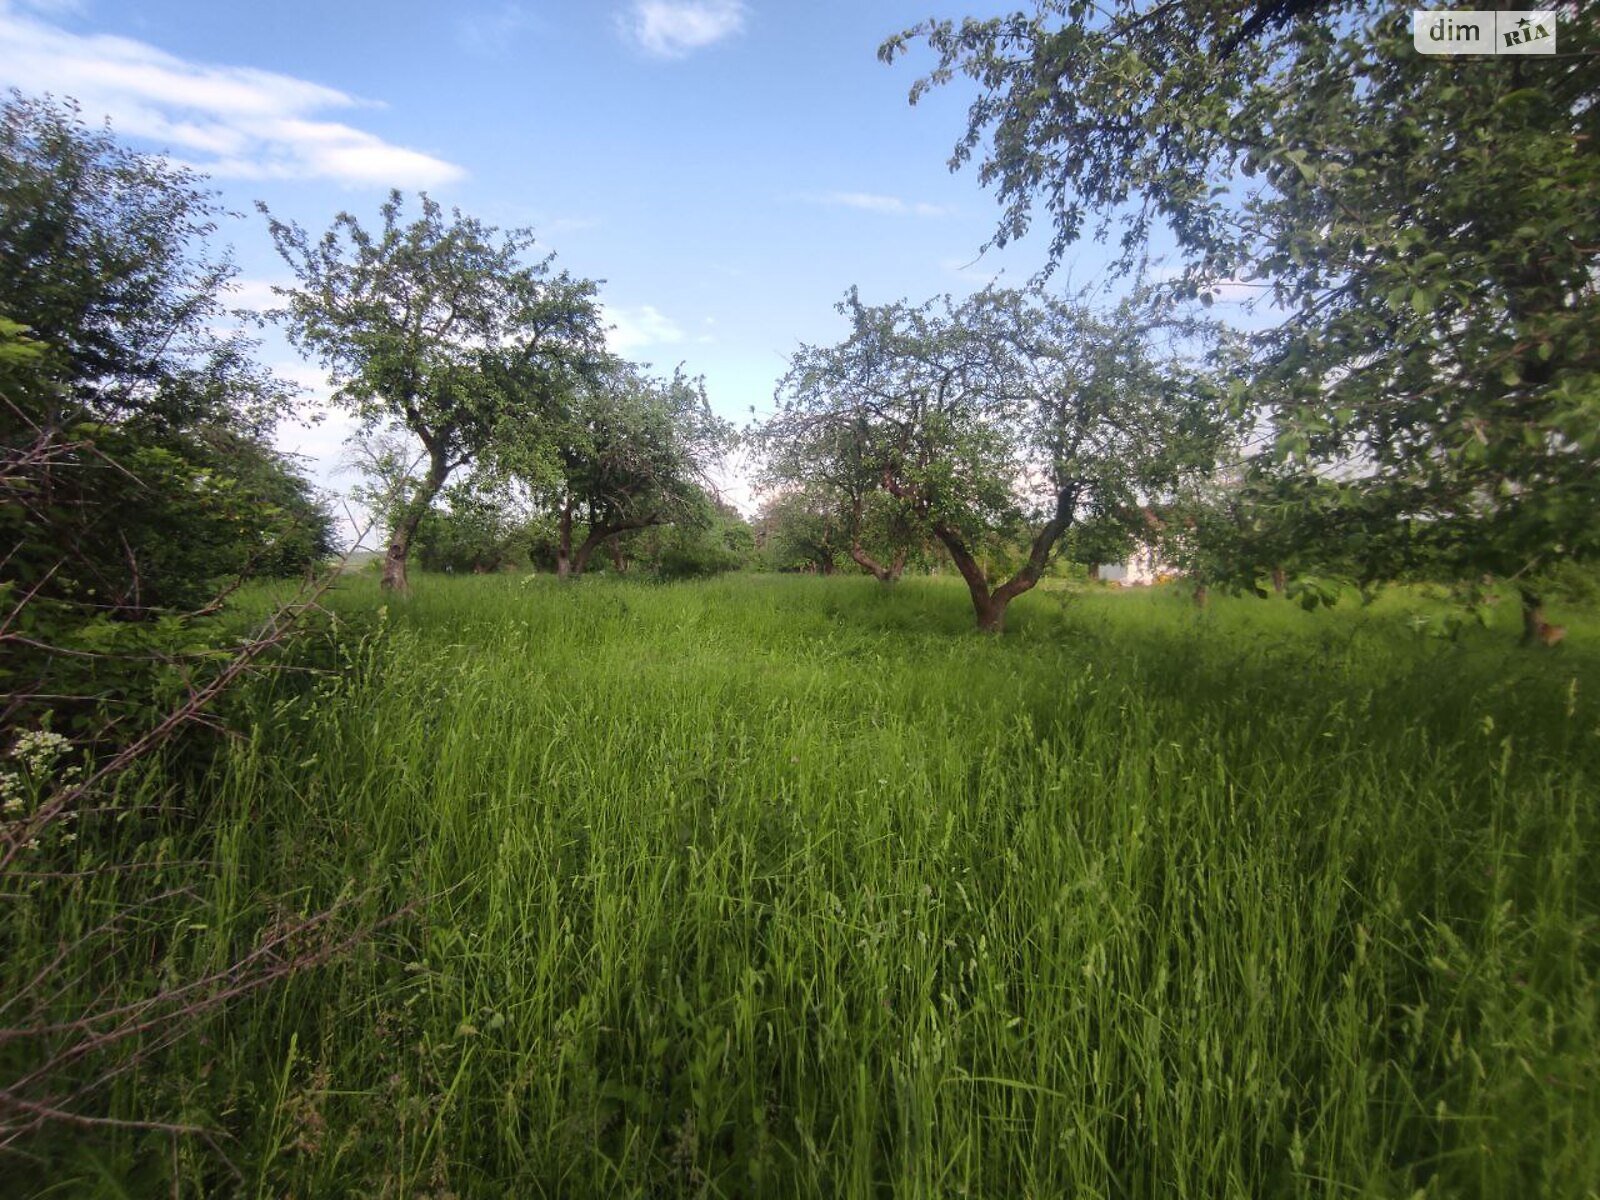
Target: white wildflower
(12, 801)
(38, 749)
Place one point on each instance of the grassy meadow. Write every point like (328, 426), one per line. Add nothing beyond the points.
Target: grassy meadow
(777, 886)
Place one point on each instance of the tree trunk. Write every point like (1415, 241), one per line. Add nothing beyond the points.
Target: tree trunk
(602, 533)
(405, 530)
(564, 542)
(1533, 622)
(991, 614)
(883, 574)
(1202, 595)
(989, 604)
(617, 562)
(1277, 580)
(394, 563)
(1094, 572)
(580, 560)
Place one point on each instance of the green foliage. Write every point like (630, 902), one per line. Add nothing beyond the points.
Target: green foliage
(105, 259)
(1100, 539)
(1571, 582)
(440, 327)
(130, 525)
(283, 526)
(633, 447)
(1427, 225)
(1006, 419)
(135, 474)
(787, 887)
(718, 542)
(622, 451)
(798, 530)
(471, 531)
(18, 353)
(1455, 353)
(825, 466)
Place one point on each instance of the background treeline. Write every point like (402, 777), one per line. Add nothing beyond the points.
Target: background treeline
(474, 534)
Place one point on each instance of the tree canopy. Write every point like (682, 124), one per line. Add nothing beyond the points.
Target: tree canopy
(626, 451)
(441, 325)
(1006, 415)
(107, 257)
(1424, 229)
(826, 473)
(133, 413)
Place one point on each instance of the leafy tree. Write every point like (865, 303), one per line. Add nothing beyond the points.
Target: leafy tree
(119, 524)
(830, 457)
(105, 258)
(474, 530)
(627, 452)
(438, 325)
(285, 527)
(133, 415)
(884, 532)
(389, 467)
(797, 530)
(1007, 417)
(715, 541)
(1095, 541)
(1427, 225)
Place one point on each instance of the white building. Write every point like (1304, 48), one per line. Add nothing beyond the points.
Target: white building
(1139, 569)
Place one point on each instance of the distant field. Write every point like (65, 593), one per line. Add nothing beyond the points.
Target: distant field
(798, 887)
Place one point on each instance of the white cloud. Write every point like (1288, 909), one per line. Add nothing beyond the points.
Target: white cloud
(255, 295)
(236, 122)
(635, 328)
(888, 205)
(674, 28)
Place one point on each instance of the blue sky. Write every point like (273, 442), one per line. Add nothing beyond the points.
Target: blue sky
(728, 168)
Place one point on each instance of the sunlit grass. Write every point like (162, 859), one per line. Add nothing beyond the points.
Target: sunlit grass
(773, 887)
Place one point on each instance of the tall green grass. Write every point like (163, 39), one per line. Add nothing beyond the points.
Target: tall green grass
(796, 887)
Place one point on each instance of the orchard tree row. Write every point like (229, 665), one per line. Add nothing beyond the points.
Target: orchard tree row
(1422, 235)
(139, 481)
(464, 358)
(492, 366)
